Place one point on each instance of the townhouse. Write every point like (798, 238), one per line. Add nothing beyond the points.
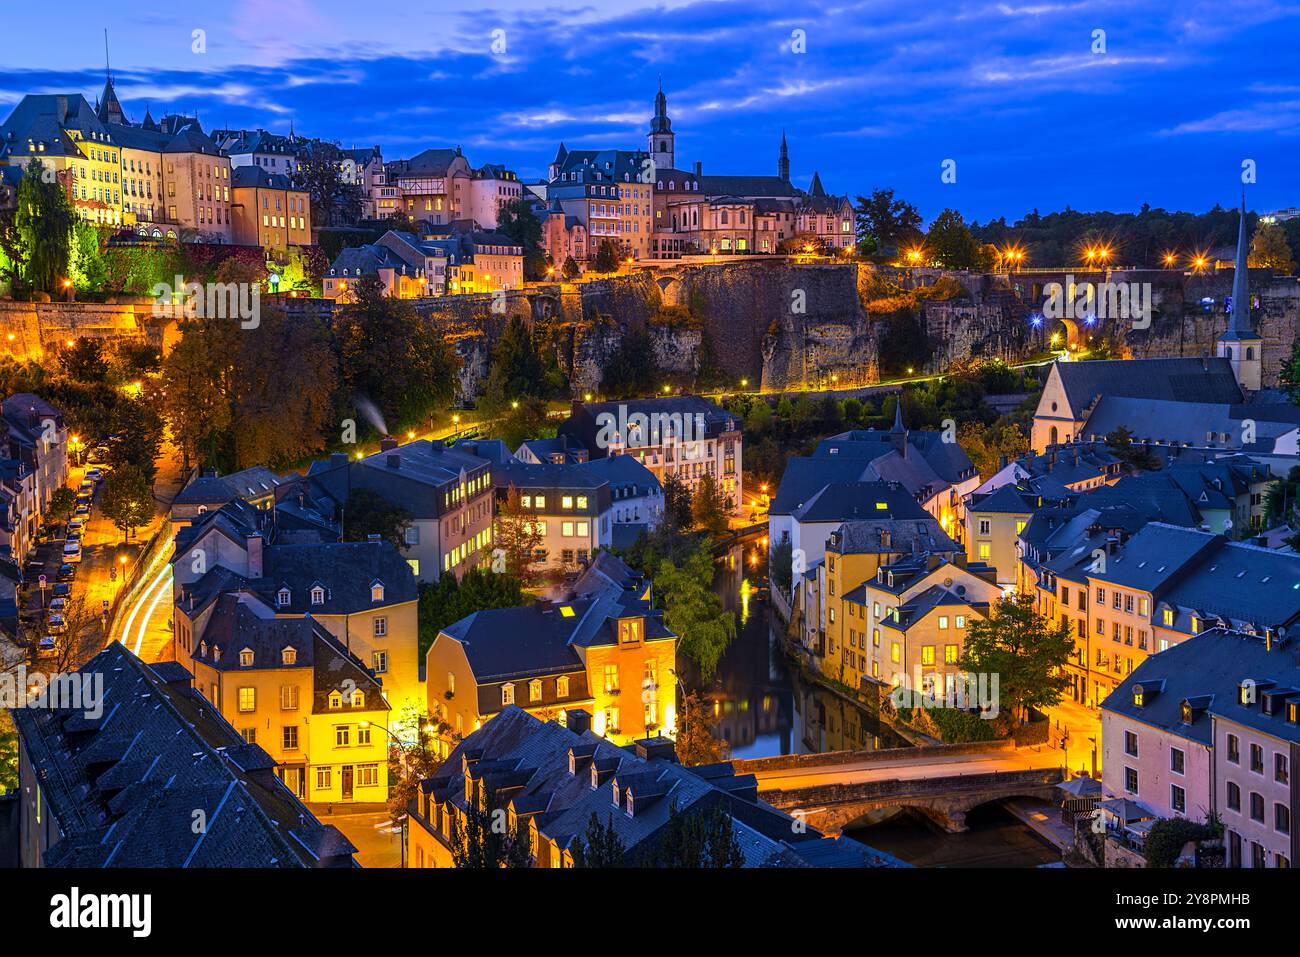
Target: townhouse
(552, 778)
(609, 193)
(38, 437)
(268, 210)
(1212, 727)
(600, 646)
(124, 788)
(569, 505)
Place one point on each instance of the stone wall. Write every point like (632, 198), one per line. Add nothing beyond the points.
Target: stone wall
(29, 329)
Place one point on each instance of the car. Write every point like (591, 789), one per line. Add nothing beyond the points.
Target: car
(83, 509)
(57, 624)
(67, 572)
(62, 590)
(76, 525)
(98, 455)
(47, 645)
(72, 552)
(87, 487)
(94, 475)
(58, 604)
(32, 569)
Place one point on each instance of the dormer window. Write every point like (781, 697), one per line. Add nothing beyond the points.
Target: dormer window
(246, 658)
(1138, 696)
(317, 595)
(335, 700)
(535, 690)
(629, 802)
(283, 597)
(562, 686)
(289, 656)
(629, 631)
(595, 777)
(358, 699)
(377, 591)
(614, 786)
(573, 763)
(203, 649)
(507, 694)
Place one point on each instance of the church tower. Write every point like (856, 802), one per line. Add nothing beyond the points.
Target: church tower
(783, 163)
(1240, 344)
(661, 136)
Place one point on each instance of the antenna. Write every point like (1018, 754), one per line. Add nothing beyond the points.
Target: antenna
(107, 74)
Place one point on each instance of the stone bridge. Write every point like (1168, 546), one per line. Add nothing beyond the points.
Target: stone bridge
(945, 799)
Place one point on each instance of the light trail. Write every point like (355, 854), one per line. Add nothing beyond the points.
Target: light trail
(164, 588)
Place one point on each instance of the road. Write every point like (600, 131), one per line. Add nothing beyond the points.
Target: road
(904, 769)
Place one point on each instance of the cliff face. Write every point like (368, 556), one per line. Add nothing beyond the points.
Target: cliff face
(778, 324)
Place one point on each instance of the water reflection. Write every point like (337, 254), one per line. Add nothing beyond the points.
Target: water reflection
(764, 706)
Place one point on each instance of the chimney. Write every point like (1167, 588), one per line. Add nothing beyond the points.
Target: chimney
(387, 443)
(254, 545)
(394, 461)
(699, 168)
(544, 605)
(577, 720)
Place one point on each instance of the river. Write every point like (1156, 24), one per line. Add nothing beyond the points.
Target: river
(765, 707)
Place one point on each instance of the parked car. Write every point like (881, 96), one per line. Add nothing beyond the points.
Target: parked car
(98, 455)
(62, 590)
(67, 572)
(86, 487)
(46, 646)
(57, 624)
(58, 604)
(72, 552)
(94, 475)
(83, 509)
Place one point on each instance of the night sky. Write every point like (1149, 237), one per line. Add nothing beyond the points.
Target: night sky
(885, 92)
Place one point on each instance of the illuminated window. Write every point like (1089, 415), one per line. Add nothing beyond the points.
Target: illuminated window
(247, 699)
(562, 686)
(566, 611)
(507, 694)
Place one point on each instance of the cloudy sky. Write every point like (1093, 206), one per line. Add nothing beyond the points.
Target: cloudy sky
(1018, 94)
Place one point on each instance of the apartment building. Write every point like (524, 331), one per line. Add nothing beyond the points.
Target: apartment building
(268, 210)
(570, 505)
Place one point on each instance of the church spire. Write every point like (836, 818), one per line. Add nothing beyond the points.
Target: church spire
(109, 109)
(783, 162)
(1240, 344)
(1241, 279)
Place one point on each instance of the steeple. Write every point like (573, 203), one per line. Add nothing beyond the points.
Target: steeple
(783, 163)
(109, 110)
(1239, 343)
(816, 189)
(661, 139)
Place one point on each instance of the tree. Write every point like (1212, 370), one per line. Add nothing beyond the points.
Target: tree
(62, 501)
(697, 838)
(127, 499)
(693, 611)
(448, 600)
(633, 370)
(708, 508)
(368, 513)
(413, 756)
(135, 436)
(80, 640)
(1270, 250)
(607, 257)
(525, 419)
(569, 271)
(83, 361)
(696, 743)
(782, 566)
(320, 172)
(950, 243)
(678, 511)
(43, 221)
(1025, 650)
(86, 265)
(485, 840)
(602, 847)
(196, 378)
(516, 219)
(516, 366)
(884, 223)
(518, 539)
(1119, 442)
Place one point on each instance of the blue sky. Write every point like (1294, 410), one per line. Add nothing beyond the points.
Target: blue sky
(883, 93)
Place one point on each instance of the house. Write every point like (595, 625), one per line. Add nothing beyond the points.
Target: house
(290, 686)
(553, 778)
(1212, 727)
(208, 490)
(570, 505)
(601, 647)
(268, 210)
(124, 787)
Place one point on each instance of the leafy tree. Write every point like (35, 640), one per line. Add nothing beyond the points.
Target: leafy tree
(988, 444)
(62, 501)
(197, 378)
(950, 243)
(484, 840)
(1168, 837)
(448, 600)
(602, 847)
(518, 537)
(1289, 377)
(1025, 650)
(127, 499)
(709, 508)
(607, 257)
(1119, 442)
(884, 223)
(1270, 250)
(413, 756)
(782, 566)
(697, 838)
(135, 436)
(633, 370)
(83, 361)
(516, 219)
(693, 611)
(86, 266)
(696, 742)
(569, 271)
(678, 510)
(8, 754)
(43, 221)
(369, 513)
(516, 366)
(526, 419)
(334, 202)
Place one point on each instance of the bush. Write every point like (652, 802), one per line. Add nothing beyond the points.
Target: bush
(1169, 836)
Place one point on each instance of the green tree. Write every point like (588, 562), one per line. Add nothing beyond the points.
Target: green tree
(693, 611)
(602, 846)
(86, 265)
(607, 257)
(1289, 378)
(782, 566)
(709, 507)
(1270, 250)
(43, 220)
(83, 361)
(368, 513)
(448, 600)
(569, 271)
(1119, 442)
(62, 501)
(697, 743)
(413, 756)
(485, 839)
(334, 202)
(950, 243)
(127, 499)
(696, 838)
(135, 436)
(516, 219)
(516, 367)
(678, 511)
(633, 370)
(884, 223)
(1026, 651)
(518, 536)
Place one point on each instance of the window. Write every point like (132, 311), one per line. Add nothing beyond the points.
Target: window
(289, 737)
(961, 621)
(566, 501)
(246, 658)
(342, 735)
(323, 779)
(1234, 797)
(562, 686)
(611, 679)
(1257, 759)
(629, 631)
(249, 735)
(413, 535)
(582, 501)
(318, 595)
(1281, 818)
(288, 697)
(943, 621)
(363, 734)
(247, 699)
(381, 627)
(1131, 743)
(950, 654)
(1257, 807)
(1177, 798)
(895, 654)
(367, 775)
(379, 661)
(1234, 749)
(358, 698)
(377, 591)
(335, 700)
(289, 656)
(507, 694)
(535, 690)
(1177, 761)
(1131, 780)
(927, 654)
(1281, 773)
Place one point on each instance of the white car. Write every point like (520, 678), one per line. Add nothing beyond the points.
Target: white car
(58, 604)
(57, 624)
(47, 645)
(72, 552)
(83, 509)
(94, 475)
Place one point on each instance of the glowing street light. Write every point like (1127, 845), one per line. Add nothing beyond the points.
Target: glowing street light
(1170, 259)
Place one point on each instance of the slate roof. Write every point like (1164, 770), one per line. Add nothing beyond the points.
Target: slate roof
(124, 787)
(1192, 423)
(1177, 379)
(849, 501)
(905, 535)
(250, 177)
(1208, 669)
(526, 763)
(250, 483)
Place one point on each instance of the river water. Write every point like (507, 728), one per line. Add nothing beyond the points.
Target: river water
(765, 707)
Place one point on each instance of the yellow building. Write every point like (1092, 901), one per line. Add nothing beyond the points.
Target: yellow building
(290, 687)
(993, 526)
(605, 651)
(268, 211)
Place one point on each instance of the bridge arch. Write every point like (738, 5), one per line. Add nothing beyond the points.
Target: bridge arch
(671, 290)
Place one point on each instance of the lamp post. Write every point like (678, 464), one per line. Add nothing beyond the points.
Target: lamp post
(407, 816)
